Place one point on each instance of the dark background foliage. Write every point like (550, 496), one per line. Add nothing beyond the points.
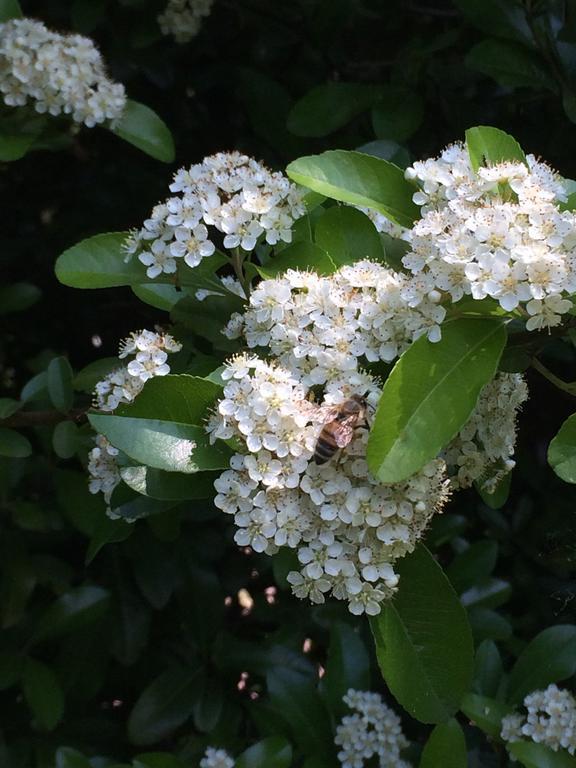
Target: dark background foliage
(87, 631)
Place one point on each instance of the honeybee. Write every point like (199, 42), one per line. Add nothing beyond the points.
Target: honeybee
(339, 427)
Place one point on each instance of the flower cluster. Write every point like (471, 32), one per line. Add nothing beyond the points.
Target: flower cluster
(323, 326)
(182, 19)
(550, 719)
(216, 758)
(483, 449)
(497, 231)
(149, 351)
(347, 528)
(234, 195)
(374, 730)
(60, 73)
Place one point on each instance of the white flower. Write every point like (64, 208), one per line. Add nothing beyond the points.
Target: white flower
(550, 719)
(373, 732)
(230, 198)
(61, 74)
(216, 758)
(183, 18)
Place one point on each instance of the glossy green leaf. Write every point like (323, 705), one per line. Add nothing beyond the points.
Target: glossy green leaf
(99, 262)
(143, 128)
(326, 108)
(532, 755)
(273, 752)
(548, 658)
(485, 713)
(159, 296)
(169, 485)
(176, 397)
(562, 451)
(10, 9)
(66, 757)
(510, 64)
(359, 179)
(59, 380)
(430, 394)
(348, 235)
(71, 611)
(18, 296)
(168, 445)
(163, 706)
(446, 747)
(490, 146)
(65, 439)
(294, 695)
(473, 565)
(488, 625)
(43, 694)
(301, 255)
(423, 641)
(488, 669)
(13, 444)
(347, 666)
(398, 114)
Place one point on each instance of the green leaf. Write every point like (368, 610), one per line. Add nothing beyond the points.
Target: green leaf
(18, 296)
(159, 296)
(359, 179)
(141, 127)
(294, 695)
(533, 755)
(99, 262)
(562, 451)
(445, 747)
(157, 760)
(176, 397)
(423, 641)
(485, 712)
(348, 666)
(510, 64)
(301, 255)
(497, 17)
(73, 610)
(59, 379)
(66, 757)
(348, 235)
(490, 146)
(398, 114)
(65, 439)
(473, 565)
(164, 705)
(548, 658)
(13, 444)
(9, 406)
(430, 394)
(326, 108)
(10, 9)
(499, 496)
(167, 445)
(488, 625)
(43, 694)
(140, 507)
(273, 752)
(169, 485)
(488, 669)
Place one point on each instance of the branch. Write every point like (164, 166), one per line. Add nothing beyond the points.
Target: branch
(42, 418)
(565, 386)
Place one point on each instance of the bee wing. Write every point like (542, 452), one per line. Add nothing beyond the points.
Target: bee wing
(344, 432)
(329, 413)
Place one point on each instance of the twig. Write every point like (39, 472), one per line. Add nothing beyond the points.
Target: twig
(42, 418)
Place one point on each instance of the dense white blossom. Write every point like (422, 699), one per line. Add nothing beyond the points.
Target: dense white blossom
(61, 74)
(182, 19)
(228, 198)
(149, 351)
(496, 232)
(483, 449)
(216, 758)
(374, 730)
(347, 528)
(324, 326)
(550, 719)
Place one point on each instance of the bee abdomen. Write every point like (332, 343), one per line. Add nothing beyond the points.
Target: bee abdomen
(324, 451)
